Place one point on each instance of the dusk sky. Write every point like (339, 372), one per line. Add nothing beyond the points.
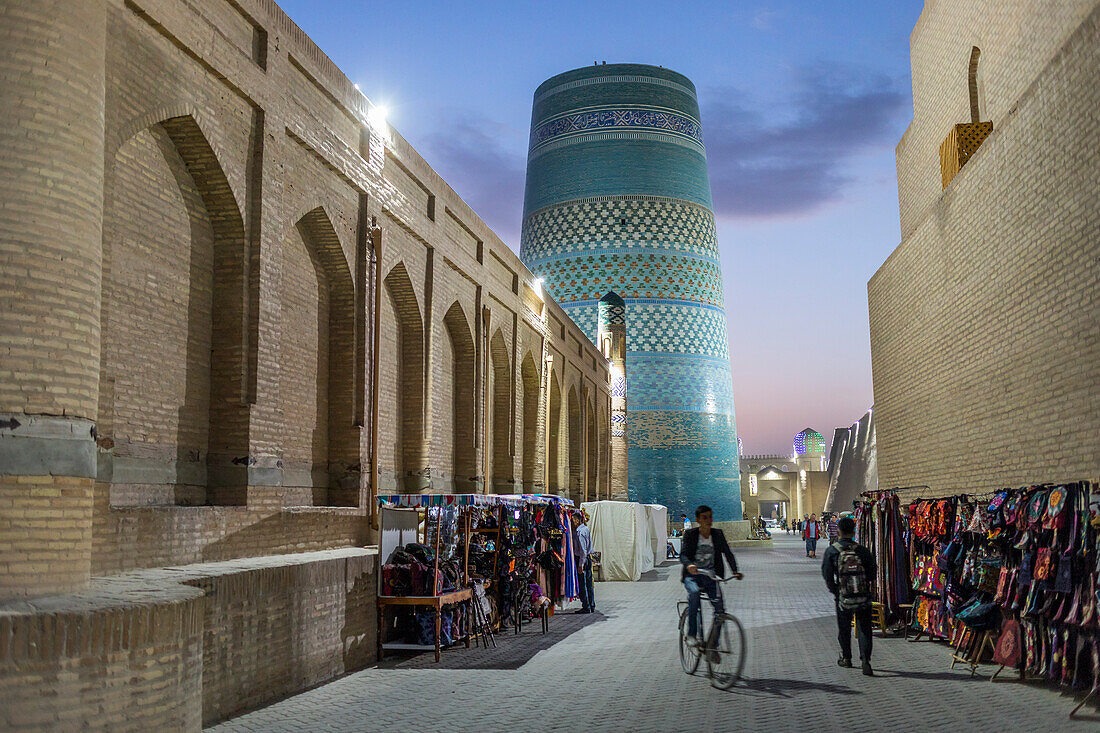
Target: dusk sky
(802, 105)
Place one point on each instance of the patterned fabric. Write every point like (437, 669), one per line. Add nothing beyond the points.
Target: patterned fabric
(514, 501)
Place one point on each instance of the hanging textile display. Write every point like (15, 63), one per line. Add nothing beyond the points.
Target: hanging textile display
(882, 529)
(1012, 578)
(511, 553)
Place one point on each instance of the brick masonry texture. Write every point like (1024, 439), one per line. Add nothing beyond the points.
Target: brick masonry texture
(202, 239)
(185, 645)
(985, 342)
(618, 201)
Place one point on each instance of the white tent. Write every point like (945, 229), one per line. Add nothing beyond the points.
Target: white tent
(620, 533)
(658, 530)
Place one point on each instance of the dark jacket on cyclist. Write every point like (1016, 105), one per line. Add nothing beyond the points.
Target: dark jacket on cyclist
(721, 550)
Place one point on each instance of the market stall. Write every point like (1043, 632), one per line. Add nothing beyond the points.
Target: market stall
(460, 566)
(621, 534)
(1008, 577)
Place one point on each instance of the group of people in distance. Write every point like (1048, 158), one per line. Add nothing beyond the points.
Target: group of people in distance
(847, 568)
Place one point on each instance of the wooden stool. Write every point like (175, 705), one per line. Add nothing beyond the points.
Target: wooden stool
(878, 617)
(907, 614)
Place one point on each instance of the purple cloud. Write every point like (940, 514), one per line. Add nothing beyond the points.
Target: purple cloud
(487, 176)
(763, 163)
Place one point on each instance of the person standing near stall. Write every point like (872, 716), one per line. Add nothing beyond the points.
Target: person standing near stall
(848, 568)
(582, 549)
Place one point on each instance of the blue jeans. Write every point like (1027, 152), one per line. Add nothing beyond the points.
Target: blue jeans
(695, 585)
(584, 583)
(811, 545)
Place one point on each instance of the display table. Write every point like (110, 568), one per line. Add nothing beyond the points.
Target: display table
(435, 602)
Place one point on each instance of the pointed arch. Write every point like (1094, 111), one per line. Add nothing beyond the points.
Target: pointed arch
(317, 359)
(409, 352)
(463, 395)
(553, 433)
(529, 373)
(174, 253)
(573, 417)
(503, 471)
(592, 487)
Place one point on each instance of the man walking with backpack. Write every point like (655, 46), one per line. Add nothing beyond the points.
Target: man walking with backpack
(848, 568)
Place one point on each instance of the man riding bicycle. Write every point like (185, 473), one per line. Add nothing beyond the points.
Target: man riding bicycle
(702, 555)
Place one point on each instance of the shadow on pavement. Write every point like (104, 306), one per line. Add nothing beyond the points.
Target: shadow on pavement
(512, 650)
(787, 688)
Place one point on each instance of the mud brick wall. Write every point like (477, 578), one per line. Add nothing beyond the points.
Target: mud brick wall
(985, 338)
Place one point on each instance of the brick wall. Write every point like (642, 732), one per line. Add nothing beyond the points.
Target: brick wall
(985, 343)
(45, 530)
(197, 222)
(230, 330)
(1017, 39)
(122, 655)
(180, 647)
(317, 620)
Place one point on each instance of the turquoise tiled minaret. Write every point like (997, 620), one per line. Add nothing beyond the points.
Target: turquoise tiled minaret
(618, 200)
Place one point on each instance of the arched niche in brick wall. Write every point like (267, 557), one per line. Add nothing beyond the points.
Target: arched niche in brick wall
(173, 255)
(573, 419)
(409, 460)
(502, 470)
(975, 85)
(553, 434)
(529, 374)
(316, 359)
(593, 458)
(463, 396)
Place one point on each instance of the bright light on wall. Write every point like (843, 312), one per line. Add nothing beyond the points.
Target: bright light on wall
(537, 287)
(376, 118)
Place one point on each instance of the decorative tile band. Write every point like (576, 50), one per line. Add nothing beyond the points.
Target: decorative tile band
(606, 199)
(690, 383)
(633, 275)
(617, 79)
(664, 328)
(659, 137)
(654, 301)
(666, 121)
(614, 224)
(622, 251)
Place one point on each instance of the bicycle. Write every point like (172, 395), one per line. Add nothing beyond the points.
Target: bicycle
(724, 648)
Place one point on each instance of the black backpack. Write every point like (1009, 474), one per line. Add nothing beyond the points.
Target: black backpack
(854, 587)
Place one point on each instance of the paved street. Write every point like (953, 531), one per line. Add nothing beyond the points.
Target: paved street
(618, 670)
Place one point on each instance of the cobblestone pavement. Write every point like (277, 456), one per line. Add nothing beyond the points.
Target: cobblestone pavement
(617, 669)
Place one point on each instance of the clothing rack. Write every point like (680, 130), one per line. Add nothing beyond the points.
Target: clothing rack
(990, 589)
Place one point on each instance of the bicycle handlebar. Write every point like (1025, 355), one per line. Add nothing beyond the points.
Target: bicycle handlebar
(713, 575)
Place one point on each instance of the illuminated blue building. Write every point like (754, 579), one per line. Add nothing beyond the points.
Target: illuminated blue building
(618, 200)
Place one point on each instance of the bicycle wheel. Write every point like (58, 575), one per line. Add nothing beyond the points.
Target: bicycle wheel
(689, 654)
(725, 651)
